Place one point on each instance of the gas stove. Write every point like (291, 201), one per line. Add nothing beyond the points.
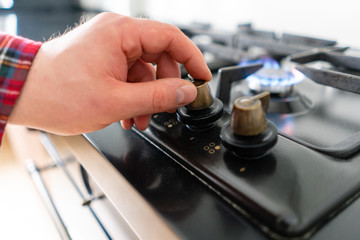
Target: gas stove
(292, 170)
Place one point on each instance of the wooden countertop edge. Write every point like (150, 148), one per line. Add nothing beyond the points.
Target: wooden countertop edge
(140, 216)
(25, 144)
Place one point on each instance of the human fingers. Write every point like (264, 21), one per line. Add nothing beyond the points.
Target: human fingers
(151, 97)
(141, 72)
(127, 123)
(142, 122)
(167, 67)
(148, 38)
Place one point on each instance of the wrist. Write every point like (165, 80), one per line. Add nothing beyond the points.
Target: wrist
(17, 56)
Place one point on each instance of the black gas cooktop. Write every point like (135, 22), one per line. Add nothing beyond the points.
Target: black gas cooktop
(297, 179)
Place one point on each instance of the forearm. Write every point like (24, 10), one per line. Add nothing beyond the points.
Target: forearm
(16, 57)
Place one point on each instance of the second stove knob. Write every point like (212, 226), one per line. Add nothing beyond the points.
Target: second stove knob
(248, 134)
(247, 118)
(248, 115)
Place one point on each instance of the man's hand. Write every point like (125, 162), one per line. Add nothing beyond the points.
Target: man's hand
(102, 72)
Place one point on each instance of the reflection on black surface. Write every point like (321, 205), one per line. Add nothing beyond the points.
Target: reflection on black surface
(254, 169)
(166, 187)
(186, 204)
(179, 196)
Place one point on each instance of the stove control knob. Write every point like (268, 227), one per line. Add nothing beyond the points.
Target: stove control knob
(248, 115)
(204, 99)
(248, 134)
(204, 111)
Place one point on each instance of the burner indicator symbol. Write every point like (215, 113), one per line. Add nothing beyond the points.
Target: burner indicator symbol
(212, 148)
(170, 123)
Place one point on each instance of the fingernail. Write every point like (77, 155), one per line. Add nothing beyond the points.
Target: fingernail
(185, 94)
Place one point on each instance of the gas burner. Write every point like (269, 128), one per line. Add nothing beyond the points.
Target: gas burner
(287, 101)
(273, 78)
(275, 81)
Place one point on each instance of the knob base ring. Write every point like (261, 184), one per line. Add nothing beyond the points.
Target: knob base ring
(201, 119)
(249, 147)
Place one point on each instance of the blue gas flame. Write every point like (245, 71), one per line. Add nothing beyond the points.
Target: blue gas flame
(271, 74)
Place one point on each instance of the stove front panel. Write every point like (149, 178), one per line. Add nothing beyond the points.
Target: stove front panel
(289, 192)
(187, 205)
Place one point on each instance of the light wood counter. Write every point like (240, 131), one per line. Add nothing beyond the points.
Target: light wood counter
(138, 214)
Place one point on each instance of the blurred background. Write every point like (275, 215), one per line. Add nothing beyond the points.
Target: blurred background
(334, 20)
(40, 19)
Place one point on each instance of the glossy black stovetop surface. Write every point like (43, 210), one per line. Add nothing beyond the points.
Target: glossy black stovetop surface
(188, 205)
(294, 192)
(291, 192)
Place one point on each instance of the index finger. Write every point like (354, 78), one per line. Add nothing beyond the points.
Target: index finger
(156, 38)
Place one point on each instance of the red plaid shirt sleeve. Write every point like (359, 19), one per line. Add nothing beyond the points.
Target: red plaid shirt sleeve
(16, 57)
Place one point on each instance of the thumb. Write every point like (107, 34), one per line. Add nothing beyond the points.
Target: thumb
(156, 96)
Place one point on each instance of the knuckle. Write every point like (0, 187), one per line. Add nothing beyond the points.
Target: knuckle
(106, 15)
(123, 20)
(113, 19)
(160, 100)
(174, 31)
(130, 44)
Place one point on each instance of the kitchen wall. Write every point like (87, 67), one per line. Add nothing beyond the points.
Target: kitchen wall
(339, 20)
(336, 20)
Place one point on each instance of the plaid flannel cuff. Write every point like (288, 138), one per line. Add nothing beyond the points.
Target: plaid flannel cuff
(16, 57)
